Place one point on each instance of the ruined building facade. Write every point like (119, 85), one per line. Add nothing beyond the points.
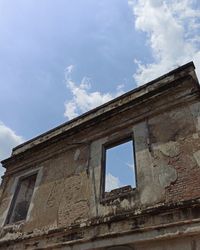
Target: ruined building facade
(53, 192)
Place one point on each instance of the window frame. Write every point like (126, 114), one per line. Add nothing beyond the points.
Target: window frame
(18, 180)
(108, 145)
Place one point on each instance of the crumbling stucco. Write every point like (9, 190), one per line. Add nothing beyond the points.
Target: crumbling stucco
(197, 157)
(69, 208)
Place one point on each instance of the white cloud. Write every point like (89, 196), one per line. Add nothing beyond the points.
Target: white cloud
(82, 98)
(172, 29)
(8, 140)
(112, 182)
(131, 166)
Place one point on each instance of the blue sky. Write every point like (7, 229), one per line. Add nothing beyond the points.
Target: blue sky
(120, 166)
(60, 58)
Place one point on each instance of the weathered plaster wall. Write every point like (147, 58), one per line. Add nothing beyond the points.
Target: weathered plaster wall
(166, 134)
(167, 161)
(63, 195)
(167, 149)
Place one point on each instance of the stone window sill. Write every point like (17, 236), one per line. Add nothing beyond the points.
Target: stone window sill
(14, 227)
(122, 192)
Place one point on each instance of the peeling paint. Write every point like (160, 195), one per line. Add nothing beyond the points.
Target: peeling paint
(77, 154)
(170, 149)
(197, 157)
(167, 176)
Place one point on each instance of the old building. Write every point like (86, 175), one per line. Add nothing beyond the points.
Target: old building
(54, 195)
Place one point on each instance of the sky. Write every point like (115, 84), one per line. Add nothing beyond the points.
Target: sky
(58, 59)
(120, 166)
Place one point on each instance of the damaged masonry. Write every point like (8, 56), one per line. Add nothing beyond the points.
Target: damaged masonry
(54, 194)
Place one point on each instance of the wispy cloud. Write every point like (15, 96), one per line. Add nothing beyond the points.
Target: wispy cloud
(112, 182)
(131, 166)
(82, 97)
(8, 140)
(172, 29)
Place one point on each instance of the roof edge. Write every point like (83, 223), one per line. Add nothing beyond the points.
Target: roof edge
(49, 132)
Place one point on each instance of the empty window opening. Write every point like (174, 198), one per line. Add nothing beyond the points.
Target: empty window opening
(120, 166)
(22, 198)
